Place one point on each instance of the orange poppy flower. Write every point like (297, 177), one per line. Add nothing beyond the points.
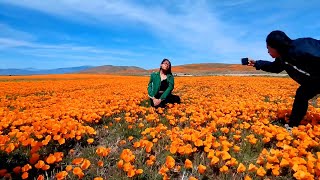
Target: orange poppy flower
(17, 170)
(269, 166)
(198, 142)
(34, 158)
(85, 164)
(170, 162)
(261, 172)
(39, 164)
(252, 168)
(90, 140)
(225, 155)
(202, 169)
(241, 168)
(59, 156)
(149, 162)
(3, 172)
(26, 168)
(127, 166)
(236, 148)
(45, 167)
(149, 146)
(100, 163)
(192, 178)
(136, 144)
(25, 175)
(68, 168)
(214, 160)
(131, 173)
(120, 164)
(247, 177)
(51, 159)
(98, 178)
(173, 149)
(139, 171)
(61, 175)
(188, 164)
(40, 177)
(78, 172)
(224, 169)
(276, 170)
(77, 161)
(10, 148)
(62, 141)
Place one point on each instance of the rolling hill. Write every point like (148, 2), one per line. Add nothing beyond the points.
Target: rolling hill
(121, 70)
(212, 68)
(190, 69)
(180, 70)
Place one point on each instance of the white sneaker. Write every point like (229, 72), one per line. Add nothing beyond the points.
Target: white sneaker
(288, 128)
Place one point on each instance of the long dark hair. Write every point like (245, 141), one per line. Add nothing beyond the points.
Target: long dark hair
(279, 41)
(169, 69)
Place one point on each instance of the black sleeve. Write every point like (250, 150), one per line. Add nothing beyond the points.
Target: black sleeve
(312, 65)
(274, 67)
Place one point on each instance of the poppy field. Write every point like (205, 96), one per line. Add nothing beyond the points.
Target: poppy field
(102, 127)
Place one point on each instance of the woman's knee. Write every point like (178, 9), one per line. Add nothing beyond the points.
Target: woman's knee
(177, 99)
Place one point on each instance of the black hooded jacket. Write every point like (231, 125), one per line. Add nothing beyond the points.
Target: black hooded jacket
(301, 61)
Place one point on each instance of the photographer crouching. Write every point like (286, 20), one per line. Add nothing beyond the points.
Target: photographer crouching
(300, 58)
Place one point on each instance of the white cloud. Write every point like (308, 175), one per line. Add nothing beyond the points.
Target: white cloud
(6, 43)
(64, 55)
(232, 3)
(11, 43)
(208, 29)
(9, 32)
(198, 28)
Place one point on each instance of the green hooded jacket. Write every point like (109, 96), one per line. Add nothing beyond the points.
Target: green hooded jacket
(155, 82)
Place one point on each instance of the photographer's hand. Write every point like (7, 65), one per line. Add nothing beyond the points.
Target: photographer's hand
(251, 62)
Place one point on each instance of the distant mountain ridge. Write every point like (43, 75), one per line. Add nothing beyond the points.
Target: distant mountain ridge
(31, 71)
(186, 69)
(110, 69)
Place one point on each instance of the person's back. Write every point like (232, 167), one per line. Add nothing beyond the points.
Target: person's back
(305, 55)
(308, 46)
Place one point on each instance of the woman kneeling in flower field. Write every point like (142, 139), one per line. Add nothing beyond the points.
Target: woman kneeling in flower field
(161, 85)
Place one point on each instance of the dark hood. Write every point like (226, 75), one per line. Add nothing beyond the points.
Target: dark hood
(279, 41)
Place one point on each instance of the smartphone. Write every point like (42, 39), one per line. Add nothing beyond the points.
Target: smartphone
(244, 61)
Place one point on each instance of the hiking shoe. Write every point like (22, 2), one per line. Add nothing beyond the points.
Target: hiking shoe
(288, 128)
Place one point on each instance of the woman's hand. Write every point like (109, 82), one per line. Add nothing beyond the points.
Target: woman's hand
(251, 62)
(156, 102)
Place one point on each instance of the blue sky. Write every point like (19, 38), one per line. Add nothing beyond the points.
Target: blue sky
(47, 34)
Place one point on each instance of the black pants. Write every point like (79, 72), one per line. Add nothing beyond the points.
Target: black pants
(170, 99)
(300, 105)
